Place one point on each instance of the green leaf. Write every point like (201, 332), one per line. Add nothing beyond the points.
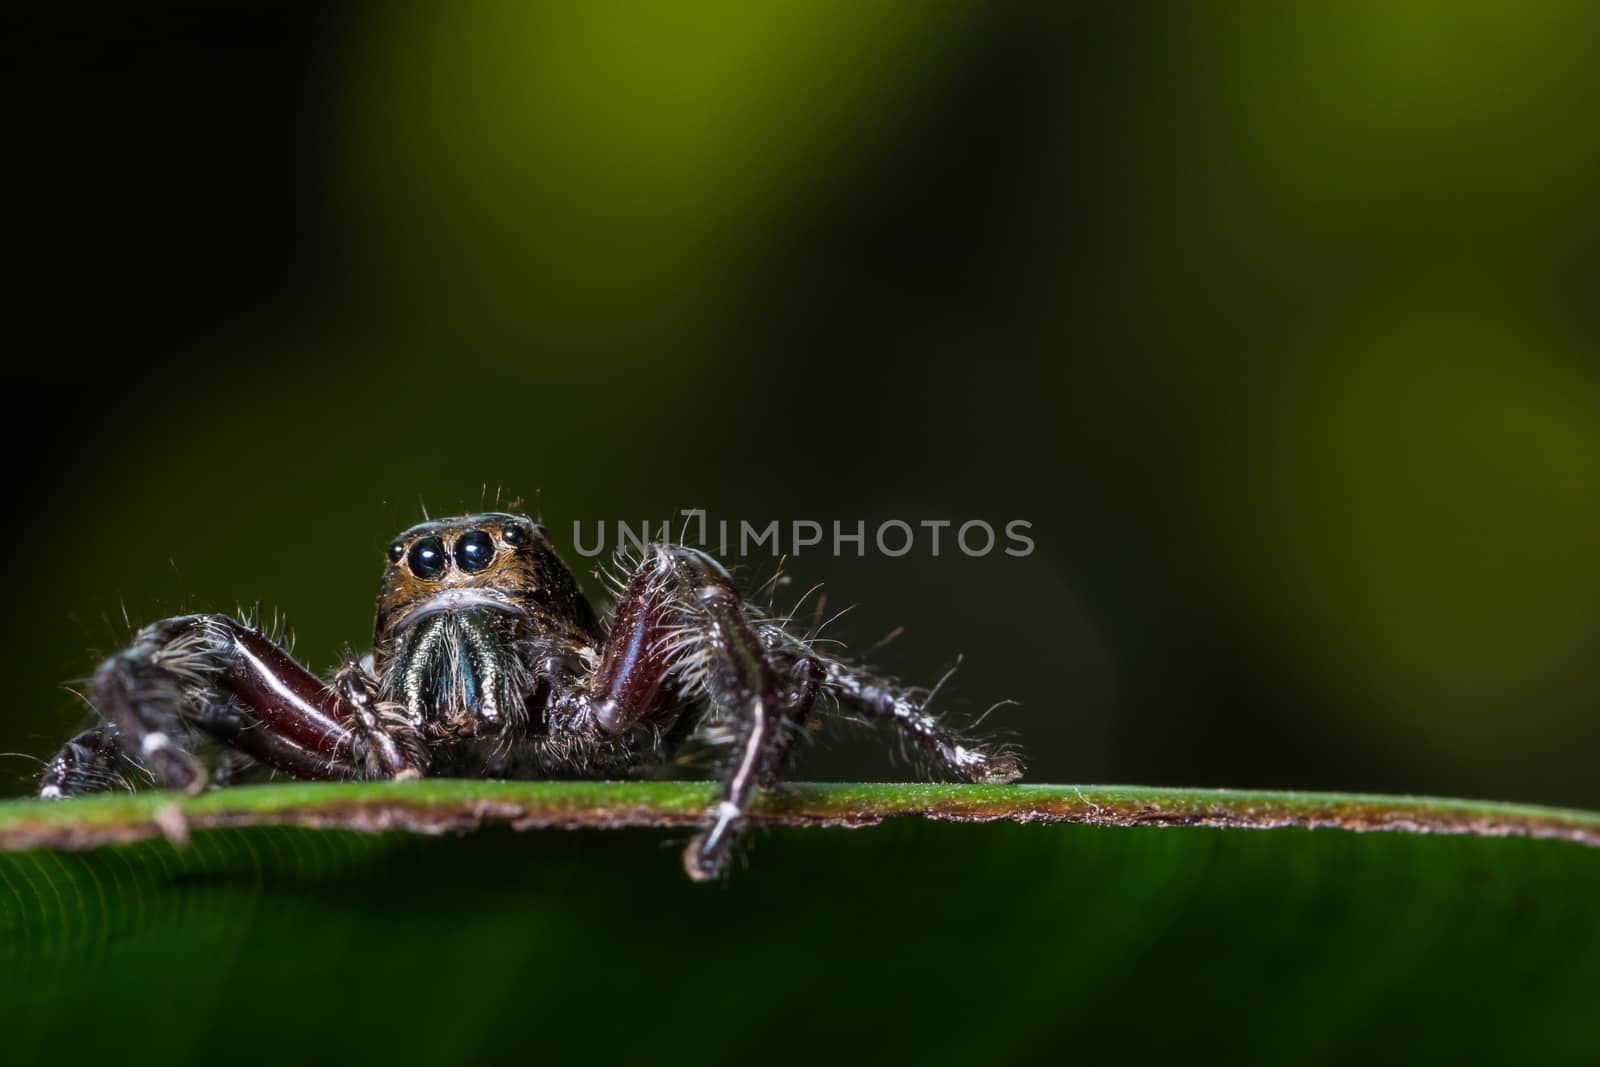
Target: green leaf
(1066, 925)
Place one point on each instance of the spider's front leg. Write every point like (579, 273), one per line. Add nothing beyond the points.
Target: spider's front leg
(91, 762)
(197, 676)
(682, 631)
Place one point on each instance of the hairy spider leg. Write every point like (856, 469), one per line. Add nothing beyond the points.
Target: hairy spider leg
(883, 700)
(215, 676)
(681, 628)
(91, 762)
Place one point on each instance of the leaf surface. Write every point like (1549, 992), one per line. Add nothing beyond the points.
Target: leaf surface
(276, 923)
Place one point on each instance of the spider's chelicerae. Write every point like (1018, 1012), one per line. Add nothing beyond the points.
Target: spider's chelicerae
(489, 662)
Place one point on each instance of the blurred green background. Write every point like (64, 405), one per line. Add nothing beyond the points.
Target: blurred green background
(1277, 321)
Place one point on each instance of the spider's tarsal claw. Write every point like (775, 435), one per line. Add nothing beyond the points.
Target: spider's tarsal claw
(708, 852)
(983, 768)
(1002, 770)
(703, 861)
(694, 865)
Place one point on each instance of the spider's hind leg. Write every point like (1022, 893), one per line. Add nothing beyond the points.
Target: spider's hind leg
(946, 749)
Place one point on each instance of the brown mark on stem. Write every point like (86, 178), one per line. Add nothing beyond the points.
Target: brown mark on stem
(408, 807)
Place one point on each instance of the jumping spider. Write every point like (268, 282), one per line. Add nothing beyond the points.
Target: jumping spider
(489, 662)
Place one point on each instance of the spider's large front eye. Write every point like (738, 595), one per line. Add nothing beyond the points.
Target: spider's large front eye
(427, 558)
(474, 551)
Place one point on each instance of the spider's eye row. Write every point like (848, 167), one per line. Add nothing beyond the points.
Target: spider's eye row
(515, 535)
(474, 551)
(426, 558)
(397, 552)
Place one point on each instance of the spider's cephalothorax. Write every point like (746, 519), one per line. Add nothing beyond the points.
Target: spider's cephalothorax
(463, 605)
(488, 661)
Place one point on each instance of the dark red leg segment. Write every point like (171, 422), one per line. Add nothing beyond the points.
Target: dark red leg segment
(215, 676)
(681, 627)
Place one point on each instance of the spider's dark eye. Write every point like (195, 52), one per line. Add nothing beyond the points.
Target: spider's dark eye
(397, 552)
(474, 551)
(427, 558)
(515, 535)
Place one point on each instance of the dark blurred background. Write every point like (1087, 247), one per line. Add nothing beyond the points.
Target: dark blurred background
(1278, 323)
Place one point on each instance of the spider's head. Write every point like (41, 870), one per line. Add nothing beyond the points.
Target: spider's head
(471, 563)
(459, 597)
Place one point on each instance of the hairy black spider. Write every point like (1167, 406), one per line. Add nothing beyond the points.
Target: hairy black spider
(488, 661)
